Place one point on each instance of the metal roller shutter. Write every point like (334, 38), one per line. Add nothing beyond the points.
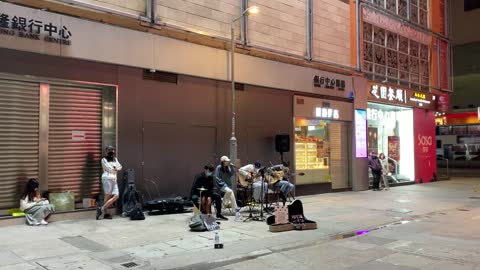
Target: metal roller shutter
(19, 138)
(74, 163)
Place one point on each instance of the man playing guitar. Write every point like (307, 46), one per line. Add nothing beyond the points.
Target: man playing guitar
(277, 181)
(249, 175)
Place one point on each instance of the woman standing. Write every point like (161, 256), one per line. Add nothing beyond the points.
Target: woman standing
(385, 170)
(37, 209)
(110, 167)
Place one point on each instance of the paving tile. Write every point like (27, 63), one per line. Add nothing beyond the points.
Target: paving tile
(379, 241)
(376, 265)
(20, 266)
(8, 258)
(441, 265)
(72, 262)
(41, 249)
(414, 261)
(354, 245)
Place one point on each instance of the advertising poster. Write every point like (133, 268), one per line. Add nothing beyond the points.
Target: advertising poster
(425, 145)
(360, 133)
(394, 148)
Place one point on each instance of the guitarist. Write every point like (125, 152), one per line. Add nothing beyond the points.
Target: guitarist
(248, 175)
(284, 186)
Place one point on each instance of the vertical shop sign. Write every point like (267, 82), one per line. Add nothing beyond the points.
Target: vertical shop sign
(425, 145)
(443, 103)
(360, 133)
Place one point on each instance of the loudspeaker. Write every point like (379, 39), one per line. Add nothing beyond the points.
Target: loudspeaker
(282, 143)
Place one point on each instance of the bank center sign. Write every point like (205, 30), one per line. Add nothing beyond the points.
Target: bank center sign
(395, 95)
(34, 29)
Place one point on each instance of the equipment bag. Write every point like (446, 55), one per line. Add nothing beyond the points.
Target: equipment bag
(137, 213)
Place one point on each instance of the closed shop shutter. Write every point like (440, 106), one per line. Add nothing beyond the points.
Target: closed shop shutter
(19, 138)
(75, 140)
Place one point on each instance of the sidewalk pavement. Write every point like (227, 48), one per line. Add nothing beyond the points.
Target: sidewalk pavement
(446, 213)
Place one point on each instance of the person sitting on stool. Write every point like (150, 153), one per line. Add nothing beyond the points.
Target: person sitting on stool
(284, 186)
(249, 173)
(225, 174)
(206, 180)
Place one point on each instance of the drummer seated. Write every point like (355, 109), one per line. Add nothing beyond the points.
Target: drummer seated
(202, 193)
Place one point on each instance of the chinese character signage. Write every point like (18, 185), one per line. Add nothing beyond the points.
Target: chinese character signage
(397, 95)
(329, 113)
(31, 28)
(329, 83)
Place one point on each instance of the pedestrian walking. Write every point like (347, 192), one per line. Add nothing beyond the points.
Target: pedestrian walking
(376, 168)
(385, 171)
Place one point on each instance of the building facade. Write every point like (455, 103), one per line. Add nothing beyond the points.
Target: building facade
(152, 78)
(405, 56)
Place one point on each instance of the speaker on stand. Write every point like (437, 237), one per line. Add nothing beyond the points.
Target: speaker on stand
(282, 144)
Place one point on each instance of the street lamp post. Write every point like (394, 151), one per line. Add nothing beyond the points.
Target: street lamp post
(233, 139)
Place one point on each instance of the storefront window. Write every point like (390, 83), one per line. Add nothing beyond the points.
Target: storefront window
(321, 152)
(390, 131)
(312, 148)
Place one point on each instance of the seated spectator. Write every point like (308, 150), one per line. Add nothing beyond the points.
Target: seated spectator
(37, 209)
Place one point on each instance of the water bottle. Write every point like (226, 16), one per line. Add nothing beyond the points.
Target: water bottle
(238, 217)
(217, 238)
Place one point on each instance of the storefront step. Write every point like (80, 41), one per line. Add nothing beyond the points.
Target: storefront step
(59, 216)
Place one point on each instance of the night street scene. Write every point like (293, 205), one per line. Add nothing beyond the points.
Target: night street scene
(239, 134)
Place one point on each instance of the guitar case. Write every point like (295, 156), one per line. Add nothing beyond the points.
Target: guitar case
(296, 218)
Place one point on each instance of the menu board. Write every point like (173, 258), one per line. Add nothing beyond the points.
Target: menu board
(360, 133)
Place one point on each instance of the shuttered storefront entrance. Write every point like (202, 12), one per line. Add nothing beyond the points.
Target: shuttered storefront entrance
(19, 138)
(75, 140)
(53, 131)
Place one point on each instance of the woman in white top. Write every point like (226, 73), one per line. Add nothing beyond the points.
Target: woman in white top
(37, 209)
(385, 170)
(110, 167)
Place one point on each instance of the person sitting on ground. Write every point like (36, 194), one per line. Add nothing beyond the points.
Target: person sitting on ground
(225, 174)
(203, 198)
(110, 166)
(250, 174)
(37, 209)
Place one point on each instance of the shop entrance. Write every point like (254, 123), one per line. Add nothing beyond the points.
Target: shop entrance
(390, 131)
(321, 152)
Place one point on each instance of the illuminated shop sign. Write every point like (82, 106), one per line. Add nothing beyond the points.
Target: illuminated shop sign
(323, 112)
(421, 99)
(390, 94)
(380, 115)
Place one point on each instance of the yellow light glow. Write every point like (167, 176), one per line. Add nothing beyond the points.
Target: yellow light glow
(253, 10)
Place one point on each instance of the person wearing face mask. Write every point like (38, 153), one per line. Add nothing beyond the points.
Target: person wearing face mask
(110, 166)
(204, 198)
(376, 167)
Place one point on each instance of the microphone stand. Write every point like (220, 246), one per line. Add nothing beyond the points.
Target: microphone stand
(261, 217)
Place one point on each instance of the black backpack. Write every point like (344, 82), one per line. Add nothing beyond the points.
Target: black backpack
(131, 197)
(137, 213)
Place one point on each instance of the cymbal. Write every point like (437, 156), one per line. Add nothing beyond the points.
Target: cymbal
(202, 189)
